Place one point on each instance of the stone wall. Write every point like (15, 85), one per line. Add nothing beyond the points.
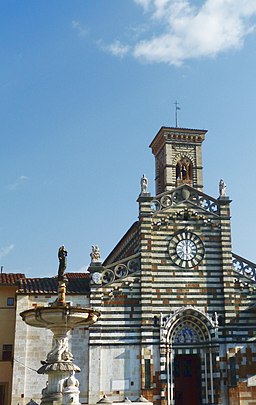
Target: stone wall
(33, 344)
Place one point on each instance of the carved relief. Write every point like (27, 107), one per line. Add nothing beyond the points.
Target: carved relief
(60, 351)
(187, 325)
(186, 334)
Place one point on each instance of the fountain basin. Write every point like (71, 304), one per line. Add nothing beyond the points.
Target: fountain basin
(64, 316)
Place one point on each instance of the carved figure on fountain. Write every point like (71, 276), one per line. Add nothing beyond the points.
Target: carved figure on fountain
(71, 390)
(60, 351)
(62, 256)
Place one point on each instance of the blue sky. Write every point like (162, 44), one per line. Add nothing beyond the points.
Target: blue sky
(85, 86)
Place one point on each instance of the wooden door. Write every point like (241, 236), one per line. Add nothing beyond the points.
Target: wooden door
(2, 394)
(187, 380)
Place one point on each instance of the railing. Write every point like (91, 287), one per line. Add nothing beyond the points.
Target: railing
(186, 193)
(121, 269)
(244, 267)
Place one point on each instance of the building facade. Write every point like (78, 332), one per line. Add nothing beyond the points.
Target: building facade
(33, 344)
(8, 287)
(178, 306)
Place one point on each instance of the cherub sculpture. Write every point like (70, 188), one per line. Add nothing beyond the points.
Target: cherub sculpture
(95, 254)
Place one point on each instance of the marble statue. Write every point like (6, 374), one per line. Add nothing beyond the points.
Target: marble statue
(60, 351)
(70, 390)
(222, 188)
(95, 254)
(144, 184)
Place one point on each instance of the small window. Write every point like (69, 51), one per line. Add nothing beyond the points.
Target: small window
(233, 377)
(7, 352)
(10, 301)
(147, 373)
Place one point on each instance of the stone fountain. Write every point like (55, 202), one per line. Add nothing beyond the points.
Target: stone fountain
(60, 317)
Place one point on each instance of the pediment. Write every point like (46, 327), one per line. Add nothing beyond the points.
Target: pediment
(185, 196)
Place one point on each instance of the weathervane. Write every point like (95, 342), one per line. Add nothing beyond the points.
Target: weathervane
(177, 108)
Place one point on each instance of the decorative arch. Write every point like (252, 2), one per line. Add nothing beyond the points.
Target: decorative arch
(184, 155)
(191, 323)
(184, 169)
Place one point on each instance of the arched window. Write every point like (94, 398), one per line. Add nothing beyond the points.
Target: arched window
(184, 169)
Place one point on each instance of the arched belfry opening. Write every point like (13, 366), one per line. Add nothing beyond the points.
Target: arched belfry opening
(178, 158)
(188, 349)
(184, 171)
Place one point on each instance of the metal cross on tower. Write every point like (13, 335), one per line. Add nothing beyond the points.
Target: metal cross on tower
(177, 108)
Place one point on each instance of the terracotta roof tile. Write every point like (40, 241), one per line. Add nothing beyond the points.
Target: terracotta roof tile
(11, 278)
(78, 283)
(78, 275)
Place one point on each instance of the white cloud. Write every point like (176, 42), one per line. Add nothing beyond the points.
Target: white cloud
(18, 183)
(116, 48)
(184, 31)
(76, 25)
(4, 251)
(144, 3)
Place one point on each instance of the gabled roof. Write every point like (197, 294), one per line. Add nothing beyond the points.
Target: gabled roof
(11, 279)
(127, 246)
(78, 283)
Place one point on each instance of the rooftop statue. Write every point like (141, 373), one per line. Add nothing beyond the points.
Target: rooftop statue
(222, 188)
(62, 256)
(95, 254)
(144, 185)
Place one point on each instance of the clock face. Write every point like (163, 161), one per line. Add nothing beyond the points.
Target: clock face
(186, 249)
(96, 277)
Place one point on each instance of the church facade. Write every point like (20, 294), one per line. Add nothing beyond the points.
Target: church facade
(178, 313)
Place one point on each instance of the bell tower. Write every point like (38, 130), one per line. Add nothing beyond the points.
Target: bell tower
(178, 158)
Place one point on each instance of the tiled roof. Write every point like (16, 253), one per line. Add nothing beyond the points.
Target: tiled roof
(77, 275)
(127, 246)
(11, 278)
(78, 283)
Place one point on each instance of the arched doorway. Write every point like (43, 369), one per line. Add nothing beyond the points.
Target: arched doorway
(189, 337)
(187, 373)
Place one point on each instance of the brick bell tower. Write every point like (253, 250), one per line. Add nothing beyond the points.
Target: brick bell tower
(178, 158)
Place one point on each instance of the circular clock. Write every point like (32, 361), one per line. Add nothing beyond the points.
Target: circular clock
(186, 249)
(96, 278)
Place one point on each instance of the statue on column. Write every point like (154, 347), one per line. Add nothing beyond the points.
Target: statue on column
(144, 185)
(222, 188)
(95, 254)
(62, 256)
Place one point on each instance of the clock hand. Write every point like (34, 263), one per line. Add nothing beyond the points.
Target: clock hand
(187, 248)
